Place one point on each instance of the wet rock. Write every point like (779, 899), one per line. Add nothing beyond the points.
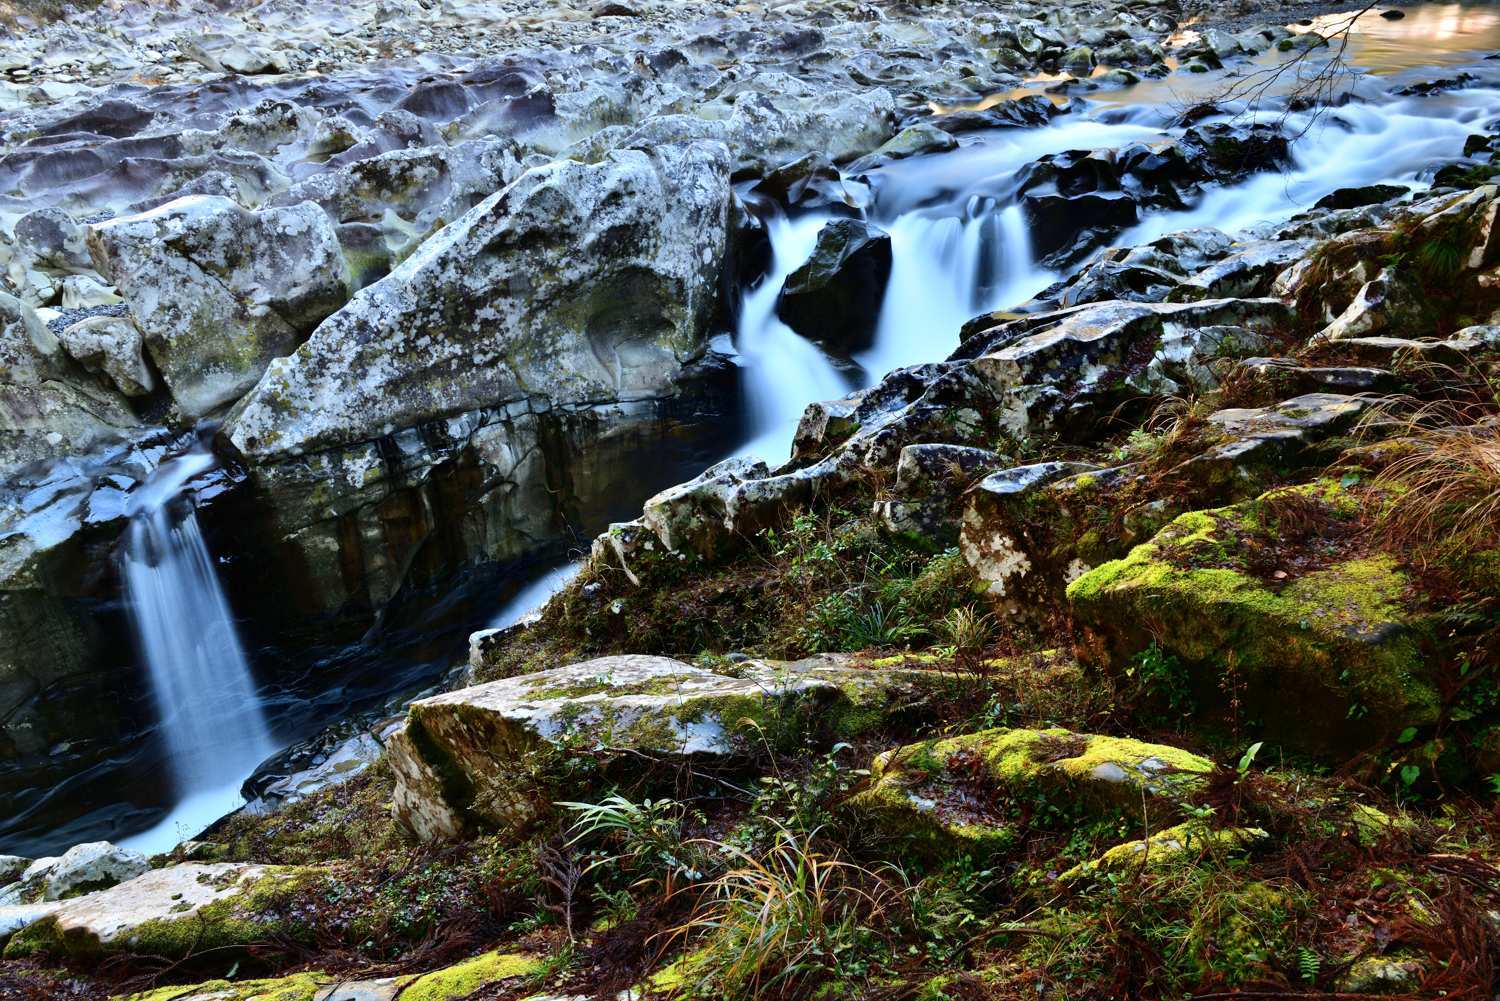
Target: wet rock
(1390, 300)
(1107, 280)
(943, 797)
(1284, 377)
(1370, 194)
(484, 757)
(930, 480)
(914, 140)
(609, 291)
(218, 291)
(835, 297)
(1245, 274)
(1022, 112)
(1326, 655)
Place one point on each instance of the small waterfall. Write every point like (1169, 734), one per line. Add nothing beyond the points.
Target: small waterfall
(944, 271)
(212, 722)
(783, 372)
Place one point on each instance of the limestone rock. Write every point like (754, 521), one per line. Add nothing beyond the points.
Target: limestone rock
(835, 297)
(930, 480)
(486, 756)
(218, 291)
(48, 405)
(110, 345)
(165, 912)
(576, 283)
(91, 866)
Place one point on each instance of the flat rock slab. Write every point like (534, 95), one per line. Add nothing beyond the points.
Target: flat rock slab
(144, 913)
(486, 756)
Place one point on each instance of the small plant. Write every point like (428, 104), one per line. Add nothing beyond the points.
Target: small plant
(786, 921)
(1162, 677)
(967, 630)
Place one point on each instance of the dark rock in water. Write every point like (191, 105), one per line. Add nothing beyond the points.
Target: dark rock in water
(1025, 112)
(810, 181)
(115, 119)
(835, 297)
(1393, 15)
(1429, 87)
(1353, 198)
(1057, 220)
(615, 10)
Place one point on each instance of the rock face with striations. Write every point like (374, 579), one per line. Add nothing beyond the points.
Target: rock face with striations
(578, 282)
(218, 290)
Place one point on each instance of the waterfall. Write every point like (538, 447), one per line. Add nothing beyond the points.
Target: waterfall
(783, 372)
(211, 720)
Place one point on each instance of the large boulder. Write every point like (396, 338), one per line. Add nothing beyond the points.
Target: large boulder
(492, 755)
(172, 912)
(218, 291)
(81, 869)
(578, 282)
(1321, 644)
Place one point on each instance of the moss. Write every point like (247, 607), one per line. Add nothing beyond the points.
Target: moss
(1328, 657)
(960, 793)
(297, 987)
(465, 978)
(1238, 935)
(1173, 847)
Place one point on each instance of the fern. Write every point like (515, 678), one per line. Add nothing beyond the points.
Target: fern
(1309, 964)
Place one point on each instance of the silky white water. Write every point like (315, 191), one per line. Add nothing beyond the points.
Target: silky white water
(211, 721)
(783, 372)
(960, 243)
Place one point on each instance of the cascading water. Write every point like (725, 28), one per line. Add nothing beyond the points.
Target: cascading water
(212, 723)
(783, 372)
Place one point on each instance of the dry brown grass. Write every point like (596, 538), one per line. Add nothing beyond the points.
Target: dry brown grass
(1446, 489)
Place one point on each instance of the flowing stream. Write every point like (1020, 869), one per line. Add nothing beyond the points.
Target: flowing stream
(961, 246)
(212, 721)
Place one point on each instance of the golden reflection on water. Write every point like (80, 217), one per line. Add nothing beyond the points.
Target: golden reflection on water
(1427, 35)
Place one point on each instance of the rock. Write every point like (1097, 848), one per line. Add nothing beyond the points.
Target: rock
(1248, 445)
(486, 756)
(173, 912)
(958, 794)
(1376, 975)
(110, 345)
(835, 297)
(218, 291)
(1045, 367)
(11, 867)
(48, 406)
(452, 983)
(93, 866)
(82, 292)
(1389, 300)
(1174, 847)
(930, 480)
(576, 283)
(995, 542)
(1370, 194)
(1326, 656)
(1283, 377)
(914, 140)
(1245, 274)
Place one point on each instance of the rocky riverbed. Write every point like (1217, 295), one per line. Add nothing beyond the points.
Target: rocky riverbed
(1125, 629)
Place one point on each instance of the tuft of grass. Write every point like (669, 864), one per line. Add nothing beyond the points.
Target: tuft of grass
(1446, 489)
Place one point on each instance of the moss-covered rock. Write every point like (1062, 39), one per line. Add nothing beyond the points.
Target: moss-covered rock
(1319, 640)
(463, 979)
(173, 912)
(1176, 846)
(965, 794)
(297, 987)
(497, 755)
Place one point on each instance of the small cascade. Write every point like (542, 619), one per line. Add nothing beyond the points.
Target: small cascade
(783, 372)
(212, 722)
(945, 271)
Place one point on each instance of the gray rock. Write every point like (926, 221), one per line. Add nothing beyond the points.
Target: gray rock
(930, 480)
(218, 291)
(835, 297)
(481, 757)
(93, 866)
(110, 345)
(578, 282)
(48, 406)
